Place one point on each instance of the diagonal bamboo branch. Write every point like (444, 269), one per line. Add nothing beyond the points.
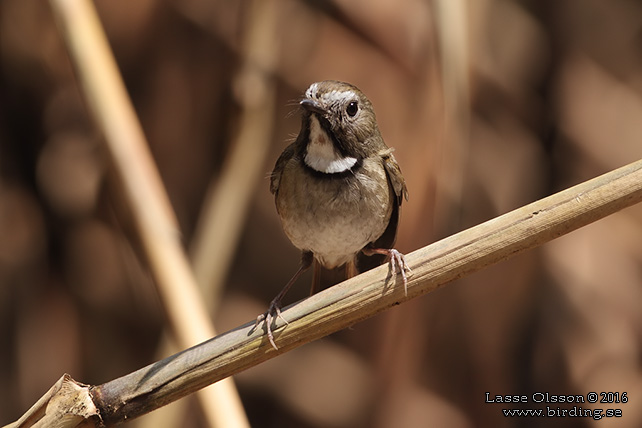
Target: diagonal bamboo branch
(369, 293)
(351, 301)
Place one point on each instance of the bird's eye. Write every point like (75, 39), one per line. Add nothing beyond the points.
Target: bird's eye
(352, 108)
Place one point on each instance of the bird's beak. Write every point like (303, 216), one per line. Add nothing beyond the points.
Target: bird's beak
(313, 106)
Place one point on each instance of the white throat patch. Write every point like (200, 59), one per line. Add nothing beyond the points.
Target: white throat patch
(321, 154)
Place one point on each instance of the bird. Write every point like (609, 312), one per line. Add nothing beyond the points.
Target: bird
(338, 190)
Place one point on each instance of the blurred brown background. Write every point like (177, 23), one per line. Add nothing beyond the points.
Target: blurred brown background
(490, 104)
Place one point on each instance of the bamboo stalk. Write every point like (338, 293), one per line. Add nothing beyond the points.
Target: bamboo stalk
(229, 196)
(143, 192)
(358, 298)
(453, 37)
(371, 292)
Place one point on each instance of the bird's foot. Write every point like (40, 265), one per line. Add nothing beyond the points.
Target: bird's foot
(274, 310)
(273, 313)
(398, 263)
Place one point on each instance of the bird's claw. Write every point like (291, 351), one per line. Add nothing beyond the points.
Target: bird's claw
(398, 264)
(273, 313)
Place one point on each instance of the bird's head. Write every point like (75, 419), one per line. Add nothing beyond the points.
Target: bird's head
(339, 127)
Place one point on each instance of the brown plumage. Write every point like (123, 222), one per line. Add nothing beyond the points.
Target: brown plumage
(338, 188)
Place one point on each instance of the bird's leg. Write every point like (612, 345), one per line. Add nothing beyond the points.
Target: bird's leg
(397, 263)
(316, 278)
(351, 269)
(274, 310)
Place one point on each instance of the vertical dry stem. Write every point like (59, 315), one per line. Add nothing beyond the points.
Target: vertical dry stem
(143, 192)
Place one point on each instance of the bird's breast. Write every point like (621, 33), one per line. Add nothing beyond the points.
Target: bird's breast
(334, 217)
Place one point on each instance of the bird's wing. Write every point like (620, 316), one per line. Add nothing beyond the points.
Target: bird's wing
(393, 172)
(275, 177)
(389, 236)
